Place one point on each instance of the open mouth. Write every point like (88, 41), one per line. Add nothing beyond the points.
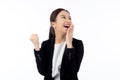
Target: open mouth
(66, 25)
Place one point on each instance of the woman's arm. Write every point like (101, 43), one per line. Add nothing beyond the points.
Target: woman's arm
(40, 56)
(41, 60)
(73, 57)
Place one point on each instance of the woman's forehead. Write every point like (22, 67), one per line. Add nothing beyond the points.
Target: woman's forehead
(64, 13)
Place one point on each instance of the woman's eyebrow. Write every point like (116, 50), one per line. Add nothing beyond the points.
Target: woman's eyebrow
(62, 15)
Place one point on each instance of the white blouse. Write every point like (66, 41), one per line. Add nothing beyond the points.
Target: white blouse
(57, 59)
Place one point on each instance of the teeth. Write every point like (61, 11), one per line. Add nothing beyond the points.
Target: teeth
(66, 25)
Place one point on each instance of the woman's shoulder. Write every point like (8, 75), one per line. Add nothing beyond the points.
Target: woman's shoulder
(48, 41)
(75, 40)
(78, 44)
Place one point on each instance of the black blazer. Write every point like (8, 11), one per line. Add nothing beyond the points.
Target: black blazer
(71, 60)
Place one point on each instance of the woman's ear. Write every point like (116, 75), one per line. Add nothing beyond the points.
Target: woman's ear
(53, 24)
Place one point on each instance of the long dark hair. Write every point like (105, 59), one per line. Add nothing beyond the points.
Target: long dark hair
(53, 19)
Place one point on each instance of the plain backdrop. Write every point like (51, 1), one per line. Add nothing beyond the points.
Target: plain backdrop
(97, 24)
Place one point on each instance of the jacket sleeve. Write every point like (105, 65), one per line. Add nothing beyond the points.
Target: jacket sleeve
(73, 58)
(41, 60)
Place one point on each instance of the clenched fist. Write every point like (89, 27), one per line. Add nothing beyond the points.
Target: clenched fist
(35, 40)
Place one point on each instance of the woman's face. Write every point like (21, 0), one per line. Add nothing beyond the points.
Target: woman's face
(62, 23)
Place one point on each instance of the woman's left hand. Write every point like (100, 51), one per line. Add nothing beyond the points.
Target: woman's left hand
(69, 36)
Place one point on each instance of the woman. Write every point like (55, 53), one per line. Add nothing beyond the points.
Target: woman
(60, 56)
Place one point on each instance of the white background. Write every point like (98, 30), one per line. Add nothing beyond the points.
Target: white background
(97, 24)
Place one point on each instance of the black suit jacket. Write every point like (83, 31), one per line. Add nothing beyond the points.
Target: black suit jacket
(71, 60)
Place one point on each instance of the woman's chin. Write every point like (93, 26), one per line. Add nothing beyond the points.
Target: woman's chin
(64, 32)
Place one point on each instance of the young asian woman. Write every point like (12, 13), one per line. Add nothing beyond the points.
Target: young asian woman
(59, 57)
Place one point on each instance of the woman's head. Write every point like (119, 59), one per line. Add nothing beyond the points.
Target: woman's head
(60, 20)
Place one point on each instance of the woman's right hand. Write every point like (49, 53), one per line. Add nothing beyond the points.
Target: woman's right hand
(35, 40)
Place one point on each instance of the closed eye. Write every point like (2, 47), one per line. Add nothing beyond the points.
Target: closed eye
(63, 17)
(69, 18)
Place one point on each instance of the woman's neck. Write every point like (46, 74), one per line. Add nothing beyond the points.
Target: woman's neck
(59, 38)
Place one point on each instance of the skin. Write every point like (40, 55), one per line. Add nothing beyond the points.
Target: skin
(62, 34)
